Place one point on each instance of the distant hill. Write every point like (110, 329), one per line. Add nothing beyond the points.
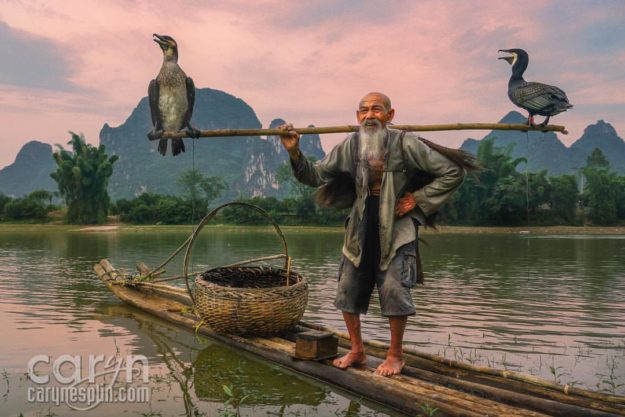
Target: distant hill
(248, 164)
(30, 171)
(603, 136)
(545, 151)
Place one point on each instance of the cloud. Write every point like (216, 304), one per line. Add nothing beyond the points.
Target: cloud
(32, 61)
(310, 62)
(349, 12)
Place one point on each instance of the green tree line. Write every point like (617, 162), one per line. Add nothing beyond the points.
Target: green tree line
(499, 195)
(35, 207)
(153, 208)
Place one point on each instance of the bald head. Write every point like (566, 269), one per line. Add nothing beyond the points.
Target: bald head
(375, 107)
(379, 97)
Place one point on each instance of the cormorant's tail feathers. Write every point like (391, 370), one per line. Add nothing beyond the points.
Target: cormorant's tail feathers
(177, 146)
(162, 147)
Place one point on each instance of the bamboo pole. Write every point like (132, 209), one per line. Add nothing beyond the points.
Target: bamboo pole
(355, 128)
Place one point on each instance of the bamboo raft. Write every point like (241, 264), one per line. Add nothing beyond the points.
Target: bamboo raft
(453, 388)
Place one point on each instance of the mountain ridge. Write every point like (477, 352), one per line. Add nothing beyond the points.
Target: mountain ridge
(545, 151)
(249, 164)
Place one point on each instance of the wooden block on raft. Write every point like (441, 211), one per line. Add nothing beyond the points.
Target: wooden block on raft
(315, 345)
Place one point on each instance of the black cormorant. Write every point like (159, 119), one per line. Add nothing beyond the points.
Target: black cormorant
(172, 95)
(536, 98)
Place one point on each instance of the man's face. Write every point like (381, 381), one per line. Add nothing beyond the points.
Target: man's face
(372, 112)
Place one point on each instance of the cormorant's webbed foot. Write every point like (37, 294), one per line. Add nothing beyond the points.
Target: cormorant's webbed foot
(545, 123)
(192, 132)
(155, 134)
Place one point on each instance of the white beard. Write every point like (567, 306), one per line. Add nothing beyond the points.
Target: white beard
(371, 146)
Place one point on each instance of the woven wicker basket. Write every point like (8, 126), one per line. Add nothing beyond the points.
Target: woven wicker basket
(259, 311)
(238, 299)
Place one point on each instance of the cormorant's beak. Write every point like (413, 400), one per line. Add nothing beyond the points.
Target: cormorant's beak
(510, 59)
(159, 39)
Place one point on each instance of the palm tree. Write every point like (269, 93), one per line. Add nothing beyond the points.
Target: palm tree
(82, 176)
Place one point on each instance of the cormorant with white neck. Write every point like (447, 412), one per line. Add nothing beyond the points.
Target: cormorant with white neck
(172, 96)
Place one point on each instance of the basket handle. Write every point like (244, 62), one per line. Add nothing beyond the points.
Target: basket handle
(210, 216)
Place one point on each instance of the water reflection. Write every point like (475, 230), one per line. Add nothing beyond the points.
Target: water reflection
(195, 370)
(52, 304)
(529, 303)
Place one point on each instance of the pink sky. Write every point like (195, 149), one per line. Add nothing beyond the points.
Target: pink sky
(78, 64)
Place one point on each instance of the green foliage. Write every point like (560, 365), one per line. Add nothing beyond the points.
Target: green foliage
(300, 207)
(496, 196)
(3, 202)
(597, 160)
(150, 208)
(245, 216)
(501, 196)
(41, 196)
(82, 177)
(427, 410)
(24, 209)
(284, 176)
(234, 401)
(493, 195)
(604, 194)
(564, 199)
(201, 189)
(34, 207)
(601, 195)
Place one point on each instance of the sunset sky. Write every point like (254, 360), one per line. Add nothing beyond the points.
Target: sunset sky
(74, 65)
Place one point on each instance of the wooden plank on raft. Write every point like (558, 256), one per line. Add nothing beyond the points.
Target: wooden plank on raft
(419, 386)
(455, 392)
(510, 392)
(495, 377)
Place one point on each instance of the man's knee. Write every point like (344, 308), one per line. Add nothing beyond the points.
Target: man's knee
(354, 289)
(401, 276)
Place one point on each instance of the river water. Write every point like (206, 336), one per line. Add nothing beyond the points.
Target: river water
(546, 305)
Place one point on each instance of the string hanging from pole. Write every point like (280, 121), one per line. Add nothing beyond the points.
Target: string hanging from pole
(194, 190)
(527, 178)
(193, 184)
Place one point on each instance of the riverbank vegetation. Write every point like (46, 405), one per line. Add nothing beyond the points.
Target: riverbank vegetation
(499, 195)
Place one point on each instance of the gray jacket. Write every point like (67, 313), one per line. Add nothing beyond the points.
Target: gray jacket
(394, 231)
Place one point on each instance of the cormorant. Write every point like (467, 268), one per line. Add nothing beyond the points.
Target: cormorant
(172, 95)
(536, 98)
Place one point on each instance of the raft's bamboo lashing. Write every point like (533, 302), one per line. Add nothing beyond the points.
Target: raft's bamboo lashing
(355, 128)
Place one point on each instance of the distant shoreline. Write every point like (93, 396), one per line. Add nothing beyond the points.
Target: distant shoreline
(122, 228)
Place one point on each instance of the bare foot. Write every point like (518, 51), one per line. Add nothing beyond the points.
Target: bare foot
(350, 359)
(391, 366)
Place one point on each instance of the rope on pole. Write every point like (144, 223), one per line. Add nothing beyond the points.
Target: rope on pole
(356, 128)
